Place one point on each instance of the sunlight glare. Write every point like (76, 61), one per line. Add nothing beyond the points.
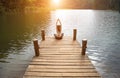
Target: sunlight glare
(56, 1)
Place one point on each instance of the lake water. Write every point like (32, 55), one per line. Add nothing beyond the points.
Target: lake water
(100, 27)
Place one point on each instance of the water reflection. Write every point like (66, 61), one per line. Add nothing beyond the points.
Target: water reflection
(75, 19)
(17, 33)
(102, 30)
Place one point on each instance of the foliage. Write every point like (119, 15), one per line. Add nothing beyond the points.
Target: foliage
(21, 5)
(107, 4)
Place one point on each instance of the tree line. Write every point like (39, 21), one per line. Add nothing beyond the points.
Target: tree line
(107, 4)
(20, 5)
(11, 5)
(92, 4)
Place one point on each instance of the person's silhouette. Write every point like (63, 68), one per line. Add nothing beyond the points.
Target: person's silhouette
(59, 34)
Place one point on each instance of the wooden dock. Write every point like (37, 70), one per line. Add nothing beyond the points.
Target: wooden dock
(61, 59)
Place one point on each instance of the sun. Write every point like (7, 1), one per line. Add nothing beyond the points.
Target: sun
(55, 4)
(56, 1)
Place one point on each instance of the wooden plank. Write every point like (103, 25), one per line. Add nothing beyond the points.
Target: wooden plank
(61, 58)
(59, 43)
(68, 61)
(60, 67)
(62, 74)
(67, 56)
(57, 77)
(60, 52)
(60, 46)
(62, 70)
(64, 55)
(60, 64)
(61, 61)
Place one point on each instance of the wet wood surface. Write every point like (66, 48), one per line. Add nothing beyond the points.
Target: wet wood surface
(60, 59)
